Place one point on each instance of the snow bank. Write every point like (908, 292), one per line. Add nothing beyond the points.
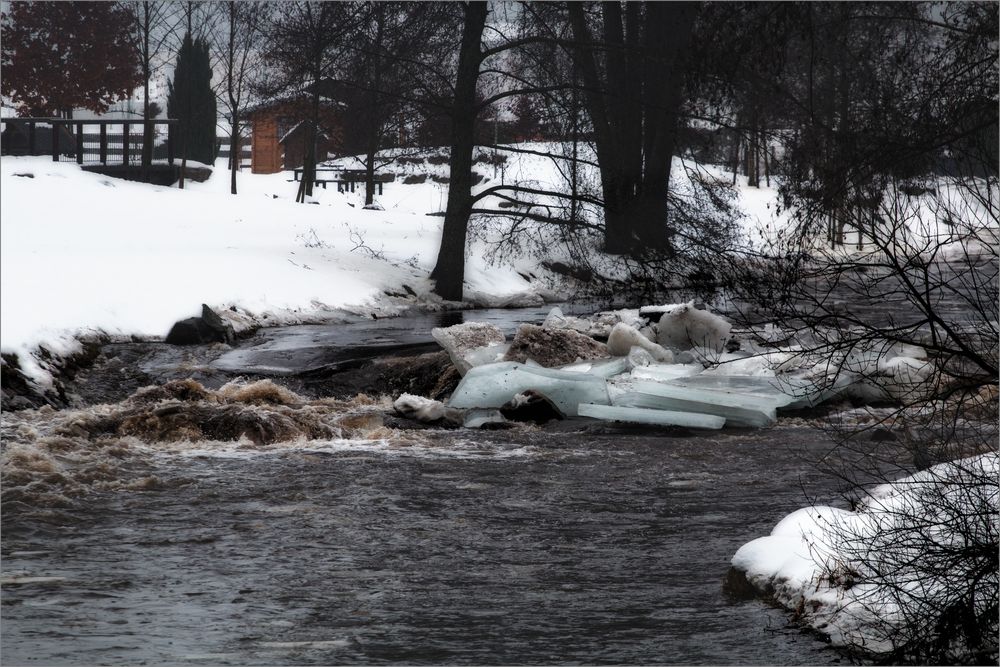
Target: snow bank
(859, 575)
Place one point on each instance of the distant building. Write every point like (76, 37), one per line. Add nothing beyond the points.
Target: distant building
(278, 130)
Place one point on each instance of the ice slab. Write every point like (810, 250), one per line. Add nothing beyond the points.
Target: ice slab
(664, 372)
(604, 369)
(766, 388)
(682, 326)
(465, 342)
(646, 416)
(787, 391)
(623, 338)
(765, 365)
(486, 355)
(492, 385)
(737, 408)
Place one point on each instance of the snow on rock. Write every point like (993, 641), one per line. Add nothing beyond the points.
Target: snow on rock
(682, 326)
(553, 347)
(471, 344)
(624, 337)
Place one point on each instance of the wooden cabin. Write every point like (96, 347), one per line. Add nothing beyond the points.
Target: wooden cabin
(278, 132)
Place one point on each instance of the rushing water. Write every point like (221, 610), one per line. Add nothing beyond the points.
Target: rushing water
(131, 536)
(586, 544)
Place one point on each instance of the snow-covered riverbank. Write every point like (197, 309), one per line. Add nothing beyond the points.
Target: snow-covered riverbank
(87, 255)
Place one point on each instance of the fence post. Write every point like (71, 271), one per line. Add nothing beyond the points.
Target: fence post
(104, 144)
(125, 128)
(55, 141)
(170, 143)
(79, 143)
(31, 138)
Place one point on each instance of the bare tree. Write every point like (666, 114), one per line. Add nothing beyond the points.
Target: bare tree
(390, 57)
(236, 42)
(154, 37)
(303, 42)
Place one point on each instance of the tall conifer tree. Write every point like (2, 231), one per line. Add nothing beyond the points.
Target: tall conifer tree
(191, 100)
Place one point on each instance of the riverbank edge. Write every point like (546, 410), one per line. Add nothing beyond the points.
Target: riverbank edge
(41, 378)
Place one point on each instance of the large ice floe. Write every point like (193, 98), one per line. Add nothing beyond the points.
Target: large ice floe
(672, 365)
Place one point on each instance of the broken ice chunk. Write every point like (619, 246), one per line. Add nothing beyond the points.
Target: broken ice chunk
(639, 357)
(604, 368)
(463, 341)
(492, 385)
(486, 355)
(738, 409)
(623, 338)
(682, 326)
(664, 372)
(556, 320)
(646, 416)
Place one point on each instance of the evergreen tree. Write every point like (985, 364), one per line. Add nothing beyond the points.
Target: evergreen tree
(191, 100)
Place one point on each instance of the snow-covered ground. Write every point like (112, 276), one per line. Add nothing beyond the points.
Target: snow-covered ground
(85, 254)
(905, 554)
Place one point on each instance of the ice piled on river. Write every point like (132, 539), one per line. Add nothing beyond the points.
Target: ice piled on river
(682, 326)
(642, 382)
(471, 344)
(647, 416)
(738, 409)
(624, 337)
(666, 372)
(605, 368)
(491, 386)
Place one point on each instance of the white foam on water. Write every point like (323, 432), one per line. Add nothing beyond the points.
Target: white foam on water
(459, 449)
(319, 644)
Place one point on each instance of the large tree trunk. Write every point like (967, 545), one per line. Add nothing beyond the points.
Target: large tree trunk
(634, 112)
(617, 186)
(449, 271)
(235, 151)
(669, 26)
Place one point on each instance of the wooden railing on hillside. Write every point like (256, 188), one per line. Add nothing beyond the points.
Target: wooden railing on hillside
(61, 137)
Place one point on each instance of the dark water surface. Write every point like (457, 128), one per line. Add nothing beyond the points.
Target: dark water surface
(588, 544)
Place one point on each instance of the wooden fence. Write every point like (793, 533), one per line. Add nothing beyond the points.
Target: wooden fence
(106, 142)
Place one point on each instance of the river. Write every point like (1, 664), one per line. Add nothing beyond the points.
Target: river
(582, 542)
